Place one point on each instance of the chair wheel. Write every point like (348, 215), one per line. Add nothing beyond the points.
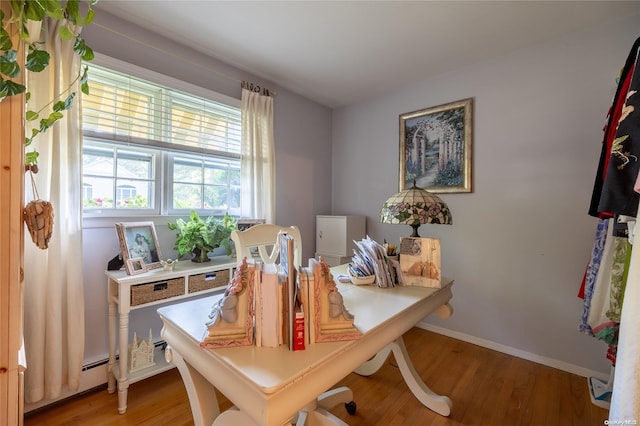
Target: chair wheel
(351, 407)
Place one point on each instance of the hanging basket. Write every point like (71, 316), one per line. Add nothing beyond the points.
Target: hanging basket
(38, 215)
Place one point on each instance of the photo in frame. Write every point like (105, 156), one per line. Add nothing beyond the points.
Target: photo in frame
(139, 240)
(136, 266)
(435, 147)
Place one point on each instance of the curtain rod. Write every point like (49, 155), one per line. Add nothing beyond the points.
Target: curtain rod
(258, 89)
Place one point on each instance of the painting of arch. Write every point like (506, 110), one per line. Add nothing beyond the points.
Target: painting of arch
(435, 147)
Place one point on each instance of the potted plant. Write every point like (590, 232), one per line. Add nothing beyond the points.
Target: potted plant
(201, 236)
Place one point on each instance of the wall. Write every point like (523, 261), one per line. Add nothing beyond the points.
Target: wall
(520, 241)
(303, 157)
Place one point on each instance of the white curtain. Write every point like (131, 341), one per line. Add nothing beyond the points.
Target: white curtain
(54, 299)
(258, 157)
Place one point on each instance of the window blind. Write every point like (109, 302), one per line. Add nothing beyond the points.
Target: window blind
(128, 109)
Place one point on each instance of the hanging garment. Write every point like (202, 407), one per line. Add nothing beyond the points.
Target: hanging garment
(618, 195)
(603, 328)
(592, 273)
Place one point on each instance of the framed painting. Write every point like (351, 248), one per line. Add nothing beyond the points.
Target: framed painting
(138, 241)
(435, 147)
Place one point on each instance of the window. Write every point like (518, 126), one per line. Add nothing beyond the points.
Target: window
(151, 149)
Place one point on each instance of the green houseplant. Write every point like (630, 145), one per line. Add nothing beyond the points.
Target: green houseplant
(201, 236)
(27, 17)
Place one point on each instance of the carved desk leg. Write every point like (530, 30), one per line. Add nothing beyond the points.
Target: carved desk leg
(440, 404)
(201, 393)
(373, 365)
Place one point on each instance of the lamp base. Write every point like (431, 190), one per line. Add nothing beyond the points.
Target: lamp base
(415, 231)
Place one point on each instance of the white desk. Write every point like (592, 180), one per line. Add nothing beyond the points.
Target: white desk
(270, 385)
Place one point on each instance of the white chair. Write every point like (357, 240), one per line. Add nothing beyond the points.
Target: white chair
(264, 238)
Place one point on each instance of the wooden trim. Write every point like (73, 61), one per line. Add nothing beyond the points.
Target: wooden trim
(11, 252)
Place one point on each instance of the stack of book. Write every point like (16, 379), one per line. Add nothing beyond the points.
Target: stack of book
(279, 314)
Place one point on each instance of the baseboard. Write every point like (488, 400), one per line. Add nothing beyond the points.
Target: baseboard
(549, 362)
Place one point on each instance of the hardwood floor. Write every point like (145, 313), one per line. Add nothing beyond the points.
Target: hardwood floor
(487, 388)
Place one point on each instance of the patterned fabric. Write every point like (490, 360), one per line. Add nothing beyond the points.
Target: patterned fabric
(603, 327)
(621, 259)
(592, 273)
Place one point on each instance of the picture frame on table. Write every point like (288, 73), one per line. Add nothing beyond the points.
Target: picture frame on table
(136, 266)
(138, 240)
(435, 147)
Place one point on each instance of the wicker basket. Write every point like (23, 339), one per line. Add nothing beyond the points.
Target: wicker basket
(158, 290)
(209, 280)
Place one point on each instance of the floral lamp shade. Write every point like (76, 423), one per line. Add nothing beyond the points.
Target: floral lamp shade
(413, 207)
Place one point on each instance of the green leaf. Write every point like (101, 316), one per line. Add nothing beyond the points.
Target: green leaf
(64, 105)
(50, 121)
(82, 50)
(37, 60)
(31, 115)
(9, 65)
(73, 11)
(10, 88)
(53, 9)
(16, 8)
(32, 157)
(65, 33)
(84, 81)
(5, 40)
(89, 18)
(34, 10)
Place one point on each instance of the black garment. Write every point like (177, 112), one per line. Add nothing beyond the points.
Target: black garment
(614, 192)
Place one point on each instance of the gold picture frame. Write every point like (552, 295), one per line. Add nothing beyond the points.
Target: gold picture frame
(138, 240)
(435, 147)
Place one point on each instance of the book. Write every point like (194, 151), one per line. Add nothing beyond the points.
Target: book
(291, 291)
(269, 302)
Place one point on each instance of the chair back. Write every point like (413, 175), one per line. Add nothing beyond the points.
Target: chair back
(264, 237)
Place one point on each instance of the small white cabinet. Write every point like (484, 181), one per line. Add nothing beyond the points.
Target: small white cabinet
(335, 236)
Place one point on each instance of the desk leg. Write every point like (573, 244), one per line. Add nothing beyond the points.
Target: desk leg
(373, 365)
(440, 404)
(123, 379)
(111, 378)
(201, 393)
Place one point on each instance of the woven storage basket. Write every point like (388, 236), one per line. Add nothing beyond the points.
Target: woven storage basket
(209, 280)
(158, 290)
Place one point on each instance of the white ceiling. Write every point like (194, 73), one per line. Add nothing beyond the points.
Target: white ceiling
(343, 52)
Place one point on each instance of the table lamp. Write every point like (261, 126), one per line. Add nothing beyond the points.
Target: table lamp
(413, 207)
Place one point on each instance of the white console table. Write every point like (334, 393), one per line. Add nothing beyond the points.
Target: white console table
(129, 292)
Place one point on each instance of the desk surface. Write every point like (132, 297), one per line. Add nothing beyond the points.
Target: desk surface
(253, 376)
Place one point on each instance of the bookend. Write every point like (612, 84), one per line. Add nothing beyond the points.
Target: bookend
(231, 320)
(329, 318)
